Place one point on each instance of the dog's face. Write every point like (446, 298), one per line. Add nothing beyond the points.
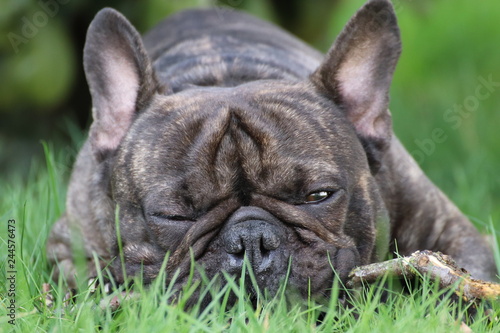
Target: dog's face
(277, 171)
(249, 170)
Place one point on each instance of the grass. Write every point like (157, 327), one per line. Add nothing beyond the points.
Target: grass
(439, 68)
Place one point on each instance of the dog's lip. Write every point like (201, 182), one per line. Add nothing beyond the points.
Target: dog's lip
(345, 259)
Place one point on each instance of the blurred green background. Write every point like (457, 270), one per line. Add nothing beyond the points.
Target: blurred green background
(444, 109)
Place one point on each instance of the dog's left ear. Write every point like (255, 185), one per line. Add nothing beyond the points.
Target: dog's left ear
(357, 73)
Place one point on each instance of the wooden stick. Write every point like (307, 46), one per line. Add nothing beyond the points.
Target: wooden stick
(434, 264)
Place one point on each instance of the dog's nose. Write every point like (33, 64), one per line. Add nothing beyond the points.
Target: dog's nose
(256, 239)
(253, 232)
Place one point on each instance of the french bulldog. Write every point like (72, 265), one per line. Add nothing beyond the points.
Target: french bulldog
(222, 138)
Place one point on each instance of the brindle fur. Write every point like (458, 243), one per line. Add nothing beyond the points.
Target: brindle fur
(226, 117)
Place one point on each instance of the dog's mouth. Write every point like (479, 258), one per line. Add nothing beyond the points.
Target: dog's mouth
(292, 280)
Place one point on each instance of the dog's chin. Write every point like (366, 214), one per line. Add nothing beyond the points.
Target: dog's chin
(296, 283)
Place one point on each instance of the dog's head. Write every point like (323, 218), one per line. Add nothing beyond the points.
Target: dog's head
(281, 172)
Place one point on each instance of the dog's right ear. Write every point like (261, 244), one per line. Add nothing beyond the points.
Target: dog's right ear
(120, 77)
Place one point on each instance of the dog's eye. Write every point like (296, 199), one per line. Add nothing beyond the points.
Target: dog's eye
(316, 197)
(171, 217)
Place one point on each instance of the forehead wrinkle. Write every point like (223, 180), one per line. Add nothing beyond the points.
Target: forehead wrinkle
(212, 158)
